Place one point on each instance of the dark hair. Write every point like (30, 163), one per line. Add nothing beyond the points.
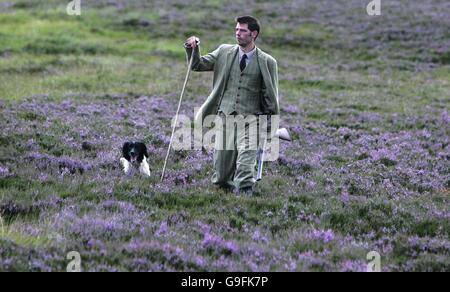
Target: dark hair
(253, 23)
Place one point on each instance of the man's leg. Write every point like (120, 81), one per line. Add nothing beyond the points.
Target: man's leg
(245, 172)
(225, 156)
(246, 157)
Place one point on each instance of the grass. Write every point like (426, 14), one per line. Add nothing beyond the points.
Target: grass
(59, 55)
(25, 240)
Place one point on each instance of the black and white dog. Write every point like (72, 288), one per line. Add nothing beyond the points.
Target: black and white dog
(135, 157)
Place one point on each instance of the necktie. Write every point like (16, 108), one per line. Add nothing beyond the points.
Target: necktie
(243, 63)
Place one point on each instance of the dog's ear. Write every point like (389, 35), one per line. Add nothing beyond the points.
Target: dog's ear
(143, 149)
(125, 150)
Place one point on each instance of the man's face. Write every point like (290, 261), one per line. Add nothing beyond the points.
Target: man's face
(243, 35)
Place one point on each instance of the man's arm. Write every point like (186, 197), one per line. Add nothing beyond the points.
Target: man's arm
(200, 63)
(270, 101)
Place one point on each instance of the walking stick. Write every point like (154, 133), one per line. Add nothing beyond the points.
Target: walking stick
(281, 134)
(176, 117)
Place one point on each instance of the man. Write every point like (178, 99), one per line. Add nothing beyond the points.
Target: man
(245, 84)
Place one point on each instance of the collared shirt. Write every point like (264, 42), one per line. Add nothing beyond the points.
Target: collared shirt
(250, 55)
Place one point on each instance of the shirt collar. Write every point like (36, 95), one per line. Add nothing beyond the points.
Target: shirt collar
(249, 54)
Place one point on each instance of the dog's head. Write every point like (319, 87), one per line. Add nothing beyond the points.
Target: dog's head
(134, 152)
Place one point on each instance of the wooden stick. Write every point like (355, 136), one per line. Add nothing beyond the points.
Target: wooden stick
(176, 117)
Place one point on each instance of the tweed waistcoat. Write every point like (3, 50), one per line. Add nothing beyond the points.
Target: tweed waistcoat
(242, 93)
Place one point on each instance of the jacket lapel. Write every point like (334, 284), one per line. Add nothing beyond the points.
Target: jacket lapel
(230, 57)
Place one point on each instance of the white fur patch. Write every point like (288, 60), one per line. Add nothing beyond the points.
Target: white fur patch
(144, 168)
(125, 165)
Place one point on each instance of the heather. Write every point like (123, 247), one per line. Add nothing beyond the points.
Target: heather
(366, 100)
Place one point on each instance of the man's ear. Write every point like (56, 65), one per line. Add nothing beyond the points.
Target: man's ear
(254, 34)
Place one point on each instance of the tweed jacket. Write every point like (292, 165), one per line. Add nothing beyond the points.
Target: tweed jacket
(220, 61)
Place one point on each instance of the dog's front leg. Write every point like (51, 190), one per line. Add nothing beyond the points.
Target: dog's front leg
(126, 165)
(144, 168)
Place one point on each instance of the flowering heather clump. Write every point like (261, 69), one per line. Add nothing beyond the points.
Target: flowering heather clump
(64, 164)
(351, 266)
(216, 243)
(162, 229)
(4, 171)
(321, 235)
(258, 237)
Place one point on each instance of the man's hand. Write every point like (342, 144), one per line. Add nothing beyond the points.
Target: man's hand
(192, 42)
